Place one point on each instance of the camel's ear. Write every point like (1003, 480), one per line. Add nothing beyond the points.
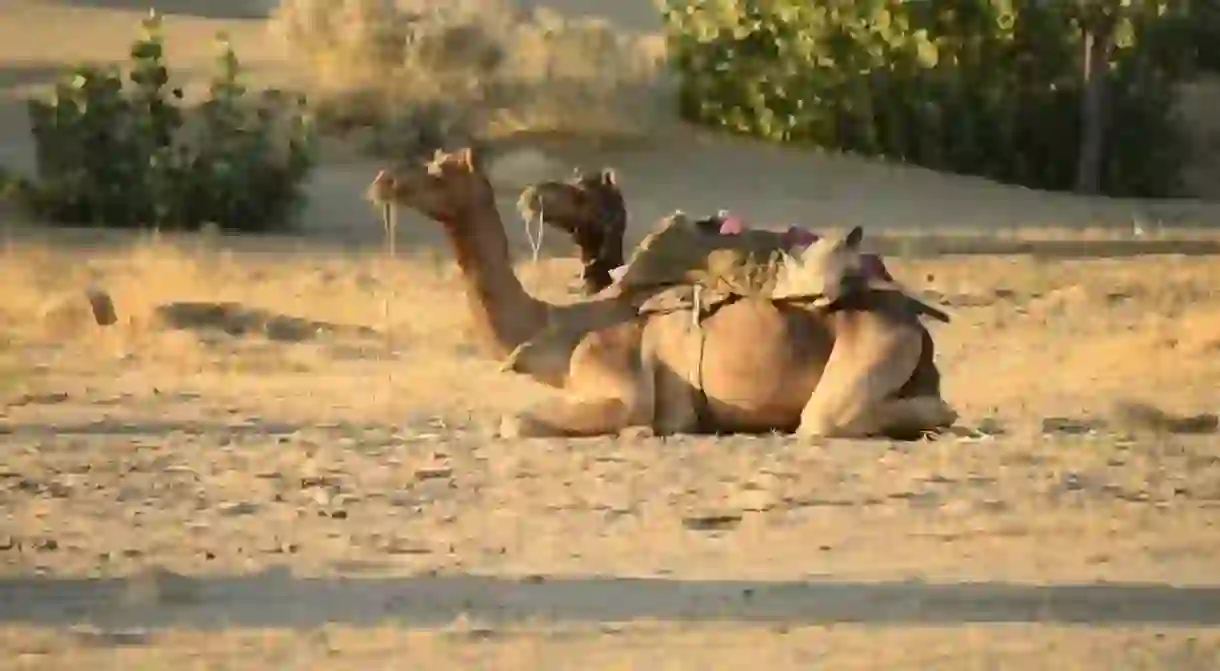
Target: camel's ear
(608, 177)
(854, 236)
(464, 157)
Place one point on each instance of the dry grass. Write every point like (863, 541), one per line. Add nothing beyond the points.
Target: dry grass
(473, 68)
(345, 290)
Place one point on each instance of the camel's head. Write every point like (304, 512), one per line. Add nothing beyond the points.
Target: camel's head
(833, 264)
(444, 188)
(589, 208)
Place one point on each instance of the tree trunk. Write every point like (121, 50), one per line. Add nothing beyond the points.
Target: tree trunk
(1098, 39)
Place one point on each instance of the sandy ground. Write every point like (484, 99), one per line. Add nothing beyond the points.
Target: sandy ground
(284, 496)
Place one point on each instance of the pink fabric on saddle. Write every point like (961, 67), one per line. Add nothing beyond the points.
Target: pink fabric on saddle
(730, 225)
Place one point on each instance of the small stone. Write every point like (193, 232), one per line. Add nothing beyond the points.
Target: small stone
(44, 398)
(711, 521)
(403, 546)
(75, 312)
(1067, 425)
(282, 547)
(238, 509)
(1072, 482)
(433, 472)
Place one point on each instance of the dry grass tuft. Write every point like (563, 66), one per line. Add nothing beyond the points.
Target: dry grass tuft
(420, 74)
(262, 326)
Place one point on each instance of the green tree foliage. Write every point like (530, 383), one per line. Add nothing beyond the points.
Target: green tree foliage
(982, 87)
(1207, 34)
(136, 156)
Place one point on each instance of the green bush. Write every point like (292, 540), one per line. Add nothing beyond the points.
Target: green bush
(983, 87)
(136, 156)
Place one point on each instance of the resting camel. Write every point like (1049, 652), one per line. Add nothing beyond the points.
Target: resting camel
(861, 367)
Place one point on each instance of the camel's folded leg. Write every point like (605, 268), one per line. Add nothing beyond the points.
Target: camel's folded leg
(568, 417)
(611, 386)
(866, 367)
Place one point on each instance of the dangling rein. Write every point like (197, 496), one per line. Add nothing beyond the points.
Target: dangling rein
(389, 220)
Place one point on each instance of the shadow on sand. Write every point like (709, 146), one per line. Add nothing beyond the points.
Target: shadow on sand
(275, 599)
(236, 319)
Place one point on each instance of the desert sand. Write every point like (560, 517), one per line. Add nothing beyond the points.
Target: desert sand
(307, 475)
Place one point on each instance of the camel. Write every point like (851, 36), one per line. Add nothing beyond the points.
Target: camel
(590, 209)
(859, 367)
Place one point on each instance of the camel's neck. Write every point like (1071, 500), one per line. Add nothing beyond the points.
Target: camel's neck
(504, 314)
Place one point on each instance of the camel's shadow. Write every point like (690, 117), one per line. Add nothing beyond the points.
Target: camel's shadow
(239, 320)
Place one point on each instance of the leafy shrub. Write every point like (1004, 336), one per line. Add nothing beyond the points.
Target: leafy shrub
(429, 73)
(127, 156)
(983, 87)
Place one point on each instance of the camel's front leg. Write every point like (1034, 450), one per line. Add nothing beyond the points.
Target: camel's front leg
(610, 388)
